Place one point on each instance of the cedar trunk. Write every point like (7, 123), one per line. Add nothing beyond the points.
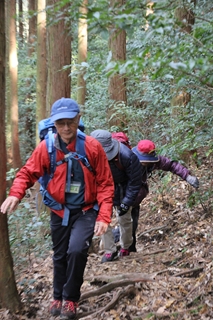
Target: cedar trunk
(9, 297)
(58, 56)
(186, 18)
(30, 135)
(82, 51)
(13, 67)
(117, 82)
(41, 83)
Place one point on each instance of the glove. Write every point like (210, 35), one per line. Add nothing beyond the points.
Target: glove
(122, 209)
(193, 181)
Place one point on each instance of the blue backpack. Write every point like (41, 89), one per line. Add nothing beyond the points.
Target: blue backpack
(47, 131)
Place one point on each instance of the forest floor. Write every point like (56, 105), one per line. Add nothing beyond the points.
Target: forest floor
(169, 277)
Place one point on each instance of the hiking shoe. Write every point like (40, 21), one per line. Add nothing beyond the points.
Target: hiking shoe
(107, 257)
(55, 307)
(123, 252)
(68, 311)
(132, 248)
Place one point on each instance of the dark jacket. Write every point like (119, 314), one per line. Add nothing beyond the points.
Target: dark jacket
(127, 176)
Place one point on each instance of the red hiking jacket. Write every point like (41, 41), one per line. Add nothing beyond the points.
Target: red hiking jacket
(99, 185)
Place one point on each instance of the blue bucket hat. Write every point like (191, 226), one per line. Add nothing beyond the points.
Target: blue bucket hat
(64, 108)
(145, 151)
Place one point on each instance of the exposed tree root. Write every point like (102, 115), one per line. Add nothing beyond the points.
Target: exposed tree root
(136, 277)
(129, 290)
(115, 282)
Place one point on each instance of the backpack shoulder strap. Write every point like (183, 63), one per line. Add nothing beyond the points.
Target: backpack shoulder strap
(80, 149)
(80, 141)
(49, 139)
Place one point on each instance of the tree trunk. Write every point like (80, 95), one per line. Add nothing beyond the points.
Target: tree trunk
(117, 82)
(13, 63)
(21, 26)
(32, 27)
(41, 83)
(186, 18)
(9, 297)
(29, 113)
(58, 56)
(82, 51)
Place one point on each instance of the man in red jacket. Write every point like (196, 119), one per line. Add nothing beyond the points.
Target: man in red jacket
(71, 236)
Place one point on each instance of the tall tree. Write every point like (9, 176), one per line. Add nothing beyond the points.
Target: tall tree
(186, 19)
(82, 51)
(9, 297)
(21, 26)
(117, 82)
(32, 26)
(58, 54)
(13, 67)
(29, 112)
(41, 83)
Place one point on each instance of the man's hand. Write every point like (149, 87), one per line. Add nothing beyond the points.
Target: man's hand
(100, 228)
(10, 204)
(193, 181)
(122, 209)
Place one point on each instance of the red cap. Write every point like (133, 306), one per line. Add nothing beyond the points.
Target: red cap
(145, 151)
(146, 146)
(121, 137)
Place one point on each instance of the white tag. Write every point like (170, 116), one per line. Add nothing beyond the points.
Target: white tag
(75, 187)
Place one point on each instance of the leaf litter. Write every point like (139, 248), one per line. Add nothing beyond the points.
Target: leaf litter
(169, 277)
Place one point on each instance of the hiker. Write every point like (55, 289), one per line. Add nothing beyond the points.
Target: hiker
(150, 161)
(127, 176)
(73, 226)
(122, 137)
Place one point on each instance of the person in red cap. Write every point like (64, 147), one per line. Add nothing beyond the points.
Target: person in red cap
(146, 153)
(122, 137)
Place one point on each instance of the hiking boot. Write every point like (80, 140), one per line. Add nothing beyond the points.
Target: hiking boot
(107, 257)
(55, 307)
(132, 248)
(68, 311)
(123, 252)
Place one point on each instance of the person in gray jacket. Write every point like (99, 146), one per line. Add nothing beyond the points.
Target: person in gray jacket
(127, 175)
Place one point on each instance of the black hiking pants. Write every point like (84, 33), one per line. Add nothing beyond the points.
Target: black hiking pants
(70, 250)
(135, 217)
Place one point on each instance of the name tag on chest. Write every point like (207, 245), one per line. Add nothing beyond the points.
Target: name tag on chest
(75, 187)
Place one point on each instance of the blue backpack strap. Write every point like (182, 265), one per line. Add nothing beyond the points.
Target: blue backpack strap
(80, 149)
(50, 138)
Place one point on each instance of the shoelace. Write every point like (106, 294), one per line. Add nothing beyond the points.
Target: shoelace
(56, 303)
(70, 306)
(108, 255)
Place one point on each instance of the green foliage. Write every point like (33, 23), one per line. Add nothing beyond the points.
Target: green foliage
(29, 235)
(163, 61)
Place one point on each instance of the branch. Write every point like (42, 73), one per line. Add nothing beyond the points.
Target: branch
(112, 285)
(152, 229)
(119, 295)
